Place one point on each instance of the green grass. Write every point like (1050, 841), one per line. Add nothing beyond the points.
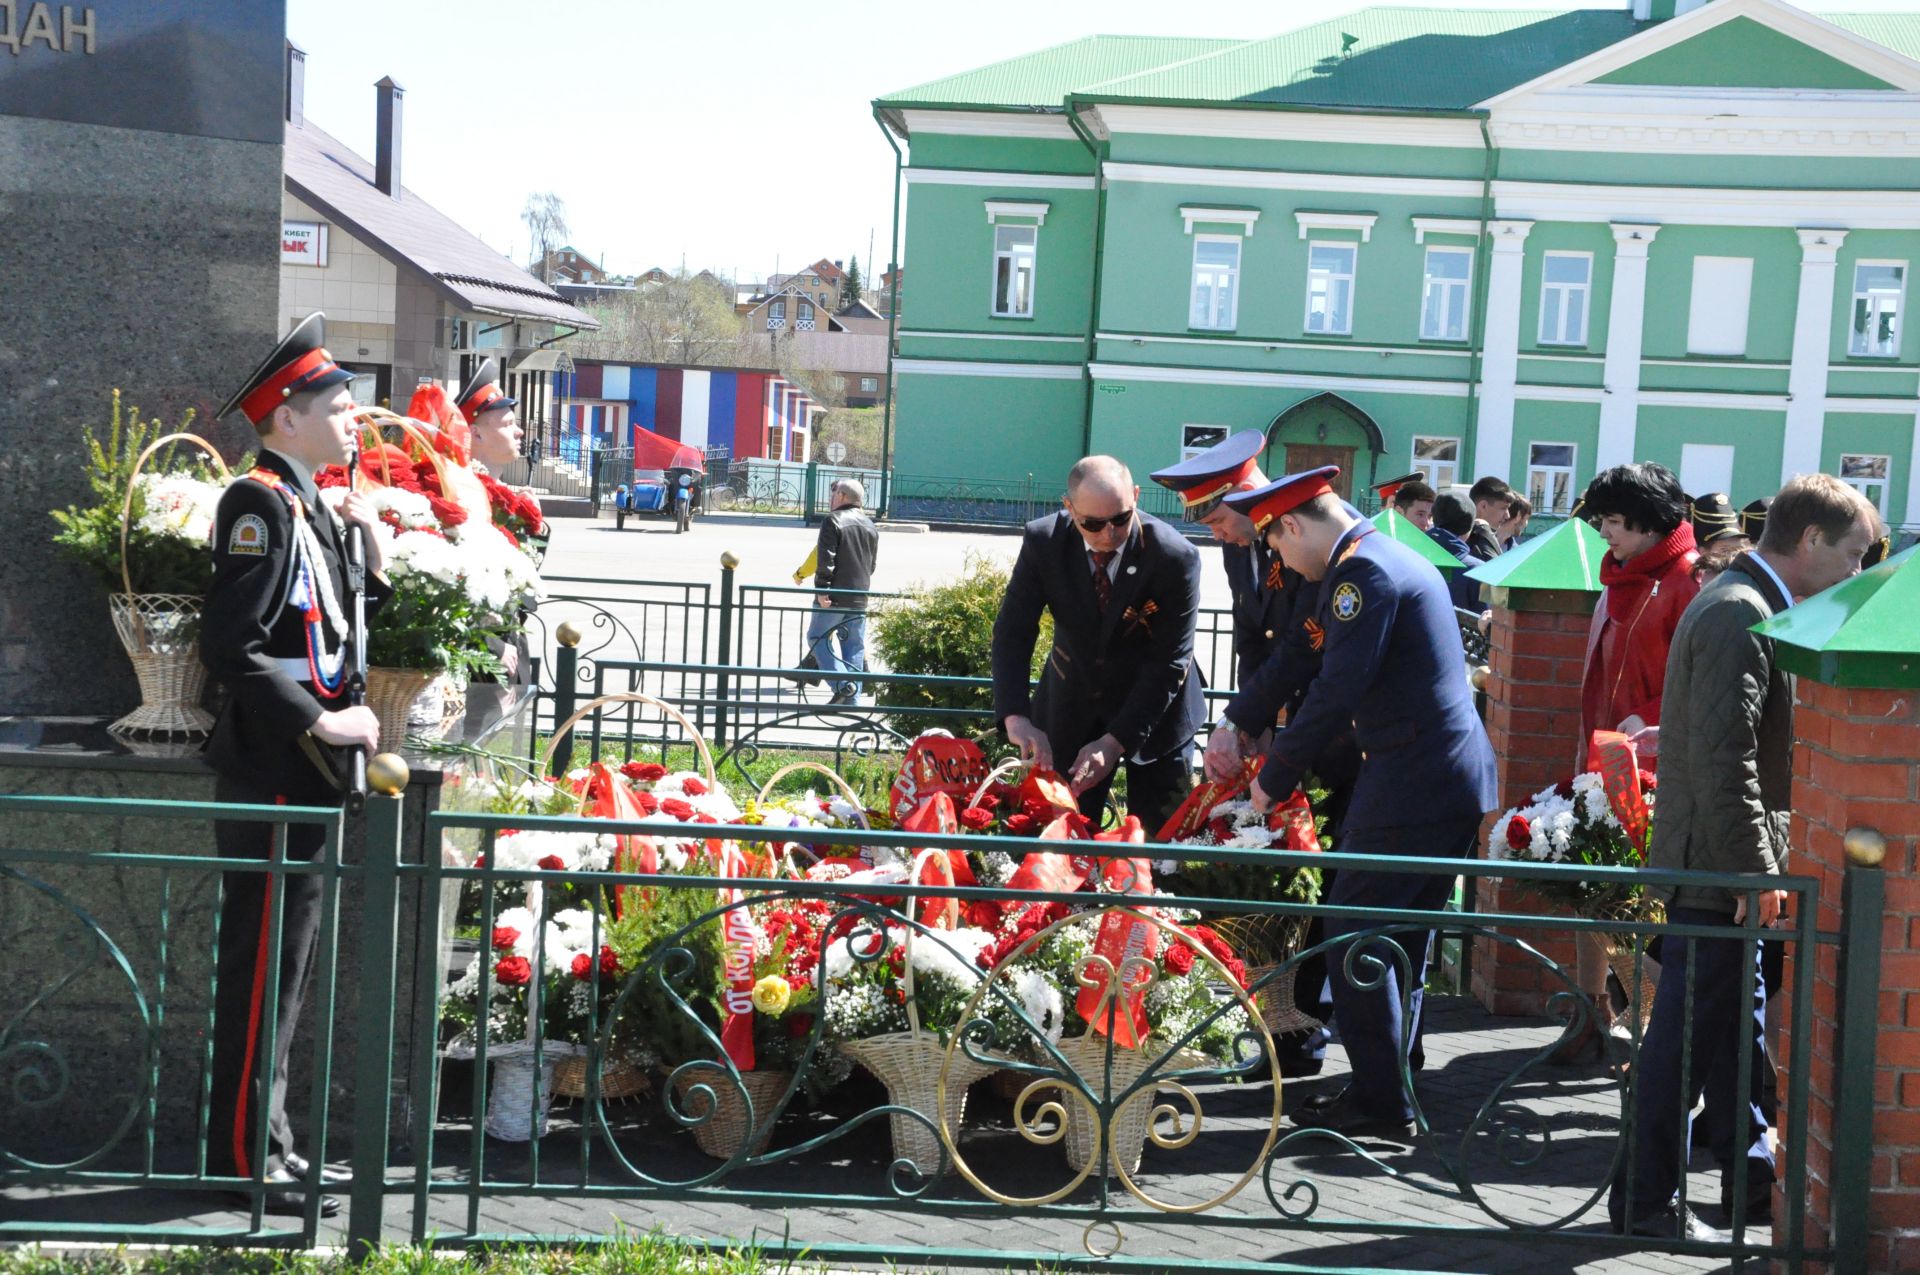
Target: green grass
(652, 1253)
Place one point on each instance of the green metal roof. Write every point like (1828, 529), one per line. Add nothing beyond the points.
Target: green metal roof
(1861, 632)
(1046, 77)
(1565, 559)
(1403, 58)
(1899, 32)
(1390, 524)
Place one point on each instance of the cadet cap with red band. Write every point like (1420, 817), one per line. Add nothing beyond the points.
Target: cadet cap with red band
(299, 364)
(1207, 477)
(483, 392)
(1389, 489)
(1283, 495)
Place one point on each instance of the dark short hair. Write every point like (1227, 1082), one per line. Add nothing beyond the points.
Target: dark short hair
(1321, 508)
(1453, 513)
(1490, 488)
(1517, 505)
(1411, 493)
(1646, 496)
(1814, 500)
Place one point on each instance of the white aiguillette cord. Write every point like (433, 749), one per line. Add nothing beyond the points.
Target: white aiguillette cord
(310, 570)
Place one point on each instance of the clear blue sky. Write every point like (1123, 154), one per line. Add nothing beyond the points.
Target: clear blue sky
(730, 133)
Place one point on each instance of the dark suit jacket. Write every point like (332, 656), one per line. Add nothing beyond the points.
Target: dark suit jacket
(1391, 667)
(248, 626)
(1128, 671)
(1259, 613)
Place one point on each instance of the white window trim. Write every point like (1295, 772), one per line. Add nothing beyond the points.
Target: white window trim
(1033, 285)
(1241, 217)
(1572, 467)
(1353, 288)
(1226, 431)
(997, 208)
(1466, 293)
(1900, 307)
(1586, 303)
(1416, 461)
(1233, 311)
(1861, 484)
(1362, 222)
(1424, 226)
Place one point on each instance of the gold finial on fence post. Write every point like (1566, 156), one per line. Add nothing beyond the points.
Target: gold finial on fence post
(1865, 847)
(568, 634)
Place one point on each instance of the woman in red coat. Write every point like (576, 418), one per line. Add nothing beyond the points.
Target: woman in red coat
(1641, 512)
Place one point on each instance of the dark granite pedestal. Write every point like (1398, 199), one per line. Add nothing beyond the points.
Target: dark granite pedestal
(106, 966)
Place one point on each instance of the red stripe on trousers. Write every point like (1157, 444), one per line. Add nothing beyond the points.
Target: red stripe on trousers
(253, 1023)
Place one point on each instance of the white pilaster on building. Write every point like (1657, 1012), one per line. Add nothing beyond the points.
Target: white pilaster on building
(1812, 337)
(1500, 352)
(1626, 317)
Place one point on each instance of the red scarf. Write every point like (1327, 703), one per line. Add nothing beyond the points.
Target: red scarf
(1630, 589)
(1627, 583)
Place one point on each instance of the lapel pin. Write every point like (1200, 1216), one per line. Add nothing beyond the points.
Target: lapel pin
(1131, 570)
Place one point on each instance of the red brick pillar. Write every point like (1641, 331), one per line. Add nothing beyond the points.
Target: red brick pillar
(1856, 828)
(1539, 643)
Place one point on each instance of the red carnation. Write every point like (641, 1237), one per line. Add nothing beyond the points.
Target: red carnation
(1238, 969)
(983, 914)
(330, 476)
(504, 937)
(974, 819)
(694, 787)
(1179, 959)
(582, 966)
(1649, 781)
(704, 817)
(448, 513)
(677, 809)
(644, 772)
(1519, 835)
(514, 971)
(553, 863)
(646, 802)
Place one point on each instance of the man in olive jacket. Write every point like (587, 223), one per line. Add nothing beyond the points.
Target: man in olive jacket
(1726, 778)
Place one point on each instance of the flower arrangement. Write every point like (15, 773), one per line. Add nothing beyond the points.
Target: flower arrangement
(1574, 822)
(168, 540)
(554, 967)
(1230, 822)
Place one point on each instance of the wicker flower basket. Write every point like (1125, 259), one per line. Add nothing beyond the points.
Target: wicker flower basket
(908, 1064)
(514, 1112)
(1265, 941)
(390, 694)
(1128, 1136)
(161, 632)
(722, 1135)
(619, 1079)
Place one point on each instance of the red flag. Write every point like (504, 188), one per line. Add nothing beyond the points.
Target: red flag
(431, 403)
(655, 451)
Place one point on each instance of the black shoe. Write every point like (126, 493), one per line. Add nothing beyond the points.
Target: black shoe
(842, 699)
(1669, 1223)
(300, 1167)
(1321, 1101)
(1759, 1204)
(1295, 1065)
(1351, 1120)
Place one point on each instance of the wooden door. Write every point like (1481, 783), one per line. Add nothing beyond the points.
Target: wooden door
(1303, 456)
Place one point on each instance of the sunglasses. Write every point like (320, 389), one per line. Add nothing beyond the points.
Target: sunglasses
(1094, 526)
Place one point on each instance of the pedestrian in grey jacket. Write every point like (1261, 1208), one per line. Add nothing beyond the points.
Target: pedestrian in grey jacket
(1726, 777)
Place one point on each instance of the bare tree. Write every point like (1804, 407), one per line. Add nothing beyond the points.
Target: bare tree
(546, 218)
(688, 319)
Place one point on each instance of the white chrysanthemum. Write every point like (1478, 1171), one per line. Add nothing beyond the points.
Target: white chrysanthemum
(950, 954)
(1041, 1000)
(1256, 837)
(179, 506)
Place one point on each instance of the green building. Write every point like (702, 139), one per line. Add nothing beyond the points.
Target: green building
(1531, 244)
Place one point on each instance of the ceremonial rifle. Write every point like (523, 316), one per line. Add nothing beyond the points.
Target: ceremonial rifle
(356, 640)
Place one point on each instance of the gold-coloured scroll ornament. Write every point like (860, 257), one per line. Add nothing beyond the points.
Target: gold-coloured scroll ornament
(1060, 1087)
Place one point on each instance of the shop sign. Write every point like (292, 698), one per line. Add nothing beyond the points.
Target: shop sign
(303, 243)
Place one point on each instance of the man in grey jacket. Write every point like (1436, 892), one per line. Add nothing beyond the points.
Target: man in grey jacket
(1726, 777)
(845, 553)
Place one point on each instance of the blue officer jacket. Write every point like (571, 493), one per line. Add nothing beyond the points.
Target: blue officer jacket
(1391, 666)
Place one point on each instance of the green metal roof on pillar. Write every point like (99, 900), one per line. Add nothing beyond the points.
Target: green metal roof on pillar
(1559, 571)
(1390, 524)
(1862, 632)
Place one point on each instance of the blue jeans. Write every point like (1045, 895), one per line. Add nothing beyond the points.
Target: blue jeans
(847, 629)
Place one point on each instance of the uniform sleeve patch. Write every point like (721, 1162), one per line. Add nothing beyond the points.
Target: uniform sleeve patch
(1346, 601)
(249, 536)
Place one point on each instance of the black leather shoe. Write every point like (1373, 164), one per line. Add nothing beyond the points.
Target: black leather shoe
(1759, 1205)
(300, 1167)
(1295, 1065)
(1321, 1101)
(842, 699)
(1348, 1118)
(1669, 1223)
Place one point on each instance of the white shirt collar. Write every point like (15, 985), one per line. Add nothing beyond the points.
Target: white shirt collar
(1773, 575)
(300, 471)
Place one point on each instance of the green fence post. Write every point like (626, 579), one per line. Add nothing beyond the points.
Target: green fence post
(373, 1062)
(729, 563)
(1863, 901)
(566, 686)
(811, 500)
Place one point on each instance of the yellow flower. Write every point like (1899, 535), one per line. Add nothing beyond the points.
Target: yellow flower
(771, 994)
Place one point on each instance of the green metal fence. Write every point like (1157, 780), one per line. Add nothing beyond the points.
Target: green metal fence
(1524, 1156)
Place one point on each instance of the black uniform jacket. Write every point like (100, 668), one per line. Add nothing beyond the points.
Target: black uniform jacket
(248, 626)
(1259, 614)
(1127, 671)
(1278, 684)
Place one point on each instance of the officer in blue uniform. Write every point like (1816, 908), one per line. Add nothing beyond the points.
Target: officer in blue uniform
(1390, 669)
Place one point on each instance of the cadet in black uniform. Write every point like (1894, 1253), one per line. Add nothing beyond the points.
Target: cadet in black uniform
(274, 634)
